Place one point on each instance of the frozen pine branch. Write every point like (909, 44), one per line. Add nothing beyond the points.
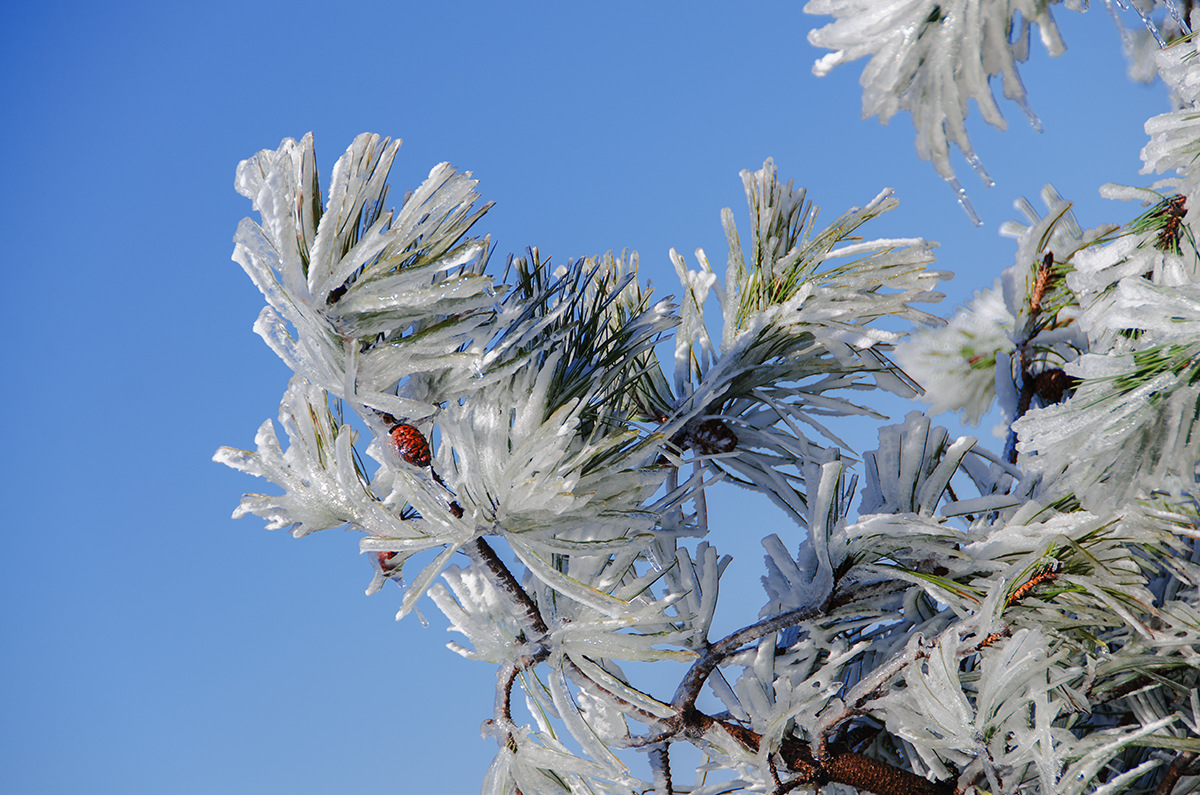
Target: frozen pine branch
(930, 57)
(508, 442)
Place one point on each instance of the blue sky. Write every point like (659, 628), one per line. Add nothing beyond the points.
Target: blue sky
(151, 643)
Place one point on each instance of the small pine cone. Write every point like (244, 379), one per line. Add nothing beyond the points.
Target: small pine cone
(412, 444)
(1052, 385)
(712, 437)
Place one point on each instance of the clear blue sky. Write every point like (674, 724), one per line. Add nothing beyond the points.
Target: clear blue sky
(151, 644)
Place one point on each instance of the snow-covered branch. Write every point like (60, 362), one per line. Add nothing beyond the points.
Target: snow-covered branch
(1022, 621)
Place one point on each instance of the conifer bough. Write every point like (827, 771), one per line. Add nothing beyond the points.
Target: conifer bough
(1024, 621)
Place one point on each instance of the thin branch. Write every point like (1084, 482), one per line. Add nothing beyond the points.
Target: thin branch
(867, 689)
(844, 767)
(693, 681)
(660, 763)
(480, 552)
(580, 677)
(1181, 764)
(505, 676)
(645, 742)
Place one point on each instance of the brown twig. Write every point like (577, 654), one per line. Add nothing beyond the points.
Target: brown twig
(1182, 764)
(479, 551)
(505, 677)
(580, 677)
(840, 767)
(660, 763)
(697, 675)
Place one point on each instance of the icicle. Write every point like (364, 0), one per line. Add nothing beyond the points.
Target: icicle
(1150, 26)
(977, 164)
(963, 201)
(654, 558)
(1034, 121)
(1177, 16)
(1149, 23)
(1126, 41)
(701, 507)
